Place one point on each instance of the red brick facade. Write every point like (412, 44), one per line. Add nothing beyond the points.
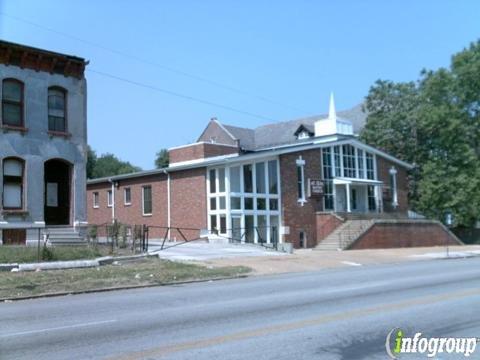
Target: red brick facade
(200, 151)
(297, 216)
(188, 202)
(393, 235)
(188, 198)
(383, 168)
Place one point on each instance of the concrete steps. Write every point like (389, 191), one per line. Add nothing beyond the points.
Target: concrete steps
(64, 235)
(343, 236)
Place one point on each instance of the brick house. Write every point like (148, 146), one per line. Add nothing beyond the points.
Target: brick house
(43, 120)
(309, 182)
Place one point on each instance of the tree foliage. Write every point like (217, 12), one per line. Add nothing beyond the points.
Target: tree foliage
(107, 165)
(434, 123)
(162, 159)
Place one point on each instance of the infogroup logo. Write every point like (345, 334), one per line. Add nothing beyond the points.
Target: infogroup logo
(397, 343)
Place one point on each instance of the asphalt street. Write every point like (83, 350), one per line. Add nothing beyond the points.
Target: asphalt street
(330, 314)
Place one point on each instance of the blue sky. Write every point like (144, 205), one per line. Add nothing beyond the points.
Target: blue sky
(292, 53)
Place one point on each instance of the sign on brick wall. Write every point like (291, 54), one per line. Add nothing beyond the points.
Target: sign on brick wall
(315, 187)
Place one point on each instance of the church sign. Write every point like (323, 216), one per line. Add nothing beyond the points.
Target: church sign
(315, 187)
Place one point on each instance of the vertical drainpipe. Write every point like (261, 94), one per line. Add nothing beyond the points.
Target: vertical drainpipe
(168, 203)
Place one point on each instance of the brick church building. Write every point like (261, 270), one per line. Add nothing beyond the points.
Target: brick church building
(309, 182)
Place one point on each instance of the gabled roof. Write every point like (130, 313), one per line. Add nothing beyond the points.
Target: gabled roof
(284, 132)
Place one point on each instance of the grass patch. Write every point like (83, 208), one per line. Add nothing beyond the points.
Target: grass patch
(28, 254)
(145, 272)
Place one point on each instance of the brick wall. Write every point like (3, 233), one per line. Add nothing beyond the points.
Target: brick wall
(102, 214)
(383, 168)
(297, 217)
(188, 202)
(415, 233)
(200, 151)
(326, 224)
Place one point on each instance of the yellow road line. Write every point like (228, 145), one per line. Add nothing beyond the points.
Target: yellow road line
(278, 328)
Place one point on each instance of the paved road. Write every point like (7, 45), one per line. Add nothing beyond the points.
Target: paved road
(333, 314)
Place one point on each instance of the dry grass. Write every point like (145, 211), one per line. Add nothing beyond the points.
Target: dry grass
(145, 272)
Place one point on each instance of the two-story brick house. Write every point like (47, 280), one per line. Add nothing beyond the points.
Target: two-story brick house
(43, 142)
(309, 182)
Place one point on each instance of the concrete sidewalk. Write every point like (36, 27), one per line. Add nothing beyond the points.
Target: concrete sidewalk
(202, 251)
(311, 260)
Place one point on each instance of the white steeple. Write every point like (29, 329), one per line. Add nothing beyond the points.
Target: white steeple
(332, 113)
(333, 125)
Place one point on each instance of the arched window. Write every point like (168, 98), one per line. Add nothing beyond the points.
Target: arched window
(12, 102)
(57, 109)
(13, 183)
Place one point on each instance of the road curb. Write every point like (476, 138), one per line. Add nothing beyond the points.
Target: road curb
(66, 293)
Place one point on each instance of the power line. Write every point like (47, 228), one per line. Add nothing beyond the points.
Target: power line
(151, 63)
(176, 94)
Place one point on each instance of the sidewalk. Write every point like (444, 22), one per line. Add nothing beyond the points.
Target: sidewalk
(311, 260)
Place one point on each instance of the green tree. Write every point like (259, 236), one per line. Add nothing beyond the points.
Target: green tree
(109, 164)
(434, 123)
(162, 160)
(91, 160)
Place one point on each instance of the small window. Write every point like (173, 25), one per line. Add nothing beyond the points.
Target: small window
(272, 177)
(147, 200)
(213, 204)
(127, 196)
(221, 203)
(261, 204)
(213, 185)
(235, 203)
(248, 178)
(248, 203)
(213, 223)
(109, 198)
(13, 184)
(57, 109)
(95, 200)
(273, 204)
(221, 180)
(12, 102)
(235, 179)
(223, 224)
(260, 177)
(302, 239)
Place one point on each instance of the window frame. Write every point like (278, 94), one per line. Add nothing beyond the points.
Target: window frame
(143, 200)
(22, 184)
(96, 200)
(125, 202)
(109, 198)
(21, 104)
(65, 107)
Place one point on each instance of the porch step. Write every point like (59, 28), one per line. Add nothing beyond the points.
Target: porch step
(343, 236)
(371, 216)
(67, 235)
